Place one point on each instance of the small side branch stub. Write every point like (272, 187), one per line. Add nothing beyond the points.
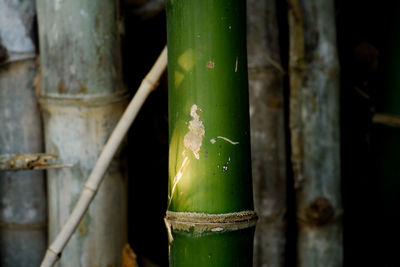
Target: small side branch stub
(38, 161)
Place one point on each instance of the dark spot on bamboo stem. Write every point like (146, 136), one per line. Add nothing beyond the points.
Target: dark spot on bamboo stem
(61, 87)
(210, 64)
(274, 102)
(320, 211)
(97, 21)
(3, 54)
(82, 89)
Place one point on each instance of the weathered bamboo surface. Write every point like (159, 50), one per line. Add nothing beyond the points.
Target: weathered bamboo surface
(102, 231)
(17, 30)
(314, 124)
(22, 193)
(267, 132)
(82, 98)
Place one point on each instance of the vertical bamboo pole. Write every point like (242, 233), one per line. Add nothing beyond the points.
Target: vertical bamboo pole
(22, 193)
(210, 206)
(82, 99)
(314, 124)
(267, 132)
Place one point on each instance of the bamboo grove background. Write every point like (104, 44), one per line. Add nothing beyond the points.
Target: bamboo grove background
(324, 109)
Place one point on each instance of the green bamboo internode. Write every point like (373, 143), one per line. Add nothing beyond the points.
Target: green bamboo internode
(210, 213)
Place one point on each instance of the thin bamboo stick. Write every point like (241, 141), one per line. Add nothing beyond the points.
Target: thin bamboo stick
(387, 119)
(148, 9)
(90, 188)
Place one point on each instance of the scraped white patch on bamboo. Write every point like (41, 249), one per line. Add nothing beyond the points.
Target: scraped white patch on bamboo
(236, 65)
(194, 138)
(170, 237)
(251, 111)
(213, 140)
(178, 177)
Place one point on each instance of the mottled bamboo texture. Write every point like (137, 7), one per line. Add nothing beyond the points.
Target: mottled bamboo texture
(267, 132)
(314, 125)
(22, 193)
(82, 99)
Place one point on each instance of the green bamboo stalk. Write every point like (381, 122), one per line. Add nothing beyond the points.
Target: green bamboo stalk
(210, 213)
(82, 99)
(314, 125)
(22, 193)
(267, 132)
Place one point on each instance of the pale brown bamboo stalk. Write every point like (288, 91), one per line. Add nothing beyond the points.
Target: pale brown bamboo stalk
(89, 190)
(314, 125)
(267, 132)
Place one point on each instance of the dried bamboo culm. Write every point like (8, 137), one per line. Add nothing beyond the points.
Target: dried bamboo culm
(22, 193)
(82, 98)
(92, 185)
(267, 132)
(314, 125)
